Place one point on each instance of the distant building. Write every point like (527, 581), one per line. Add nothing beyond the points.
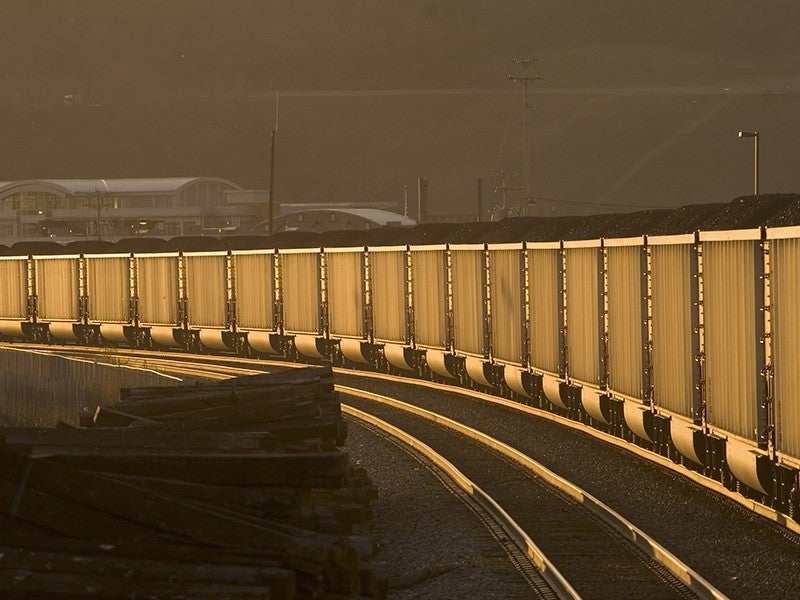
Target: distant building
(69, 209)
(290, 207)
(318, 219)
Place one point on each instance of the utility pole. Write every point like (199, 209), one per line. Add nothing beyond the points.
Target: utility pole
(405, 200)
(422, 199)
(273, 141)
(754, 135)
(480, 200)
(524, 80)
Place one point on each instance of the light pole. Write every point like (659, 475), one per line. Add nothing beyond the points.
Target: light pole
(754, 135)
(272, 146)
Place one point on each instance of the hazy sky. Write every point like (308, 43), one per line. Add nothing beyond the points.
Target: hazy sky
(639, 102)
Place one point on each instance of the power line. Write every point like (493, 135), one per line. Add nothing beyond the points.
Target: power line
(618, 127)
(604, 204)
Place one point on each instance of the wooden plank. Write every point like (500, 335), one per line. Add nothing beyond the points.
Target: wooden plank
(202, 398)
(166, 513)
(18, 534)
(272, 502)
(181, 486)
(281, 582)
(105, 416)
(321, 469)
(266, 410)
(288, 428)
(313, 376)
(140, 438)
(65, 516)
(35, 584)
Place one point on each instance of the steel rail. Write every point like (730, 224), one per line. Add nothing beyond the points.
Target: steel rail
(557, 582)
(633, 534)
(662, 461)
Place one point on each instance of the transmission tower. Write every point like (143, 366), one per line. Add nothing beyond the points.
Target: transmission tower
(524, 80)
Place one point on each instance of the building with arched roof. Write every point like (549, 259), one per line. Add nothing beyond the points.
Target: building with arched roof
(114, 208)
(332, 218)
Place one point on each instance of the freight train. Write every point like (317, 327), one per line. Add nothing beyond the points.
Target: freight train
(685, 344)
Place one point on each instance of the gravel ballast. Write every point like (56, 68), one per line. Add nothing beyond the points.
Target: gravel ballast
(430, 544)
(741, 553)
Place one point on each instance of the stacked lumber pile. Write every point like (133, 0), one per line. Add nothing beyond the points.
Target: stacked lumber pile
(234, 489)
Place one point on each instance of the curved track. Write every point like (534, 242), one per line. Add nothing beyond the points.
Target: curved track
(542, 576)
(588, 549)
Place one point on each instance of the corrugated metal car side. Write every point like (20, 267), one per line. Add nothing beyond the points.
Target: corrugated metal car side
(58, 288)
(206, 289)
(730, 335)
(254, 289)
(108, 285)
(14, 299)
(300, 281)
(583, 314)
(625, 318)
(389, 305)
(429, 292)
(544, 266)
(469, 296)
(157, 281)
(505, 274)
(672, 327)
(345, 274)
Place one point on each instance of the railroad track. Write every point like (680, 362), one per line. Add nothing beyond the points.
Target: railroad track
(543, 578)
(601, 554)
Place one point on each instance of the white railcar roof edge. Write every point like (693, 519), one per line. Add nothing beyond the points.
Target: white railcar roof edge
(506, 246)
(730, 235)
(387, 248)
(155, 254)
(467, 246)
(623, 242)
(583, 243)
(543, 245)
(265, 251)
(782, 233)
(207, 253)
(669, 240)
(348, 249)
(54, 256)
(315, 250)
(428, 247)
(106, 255)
